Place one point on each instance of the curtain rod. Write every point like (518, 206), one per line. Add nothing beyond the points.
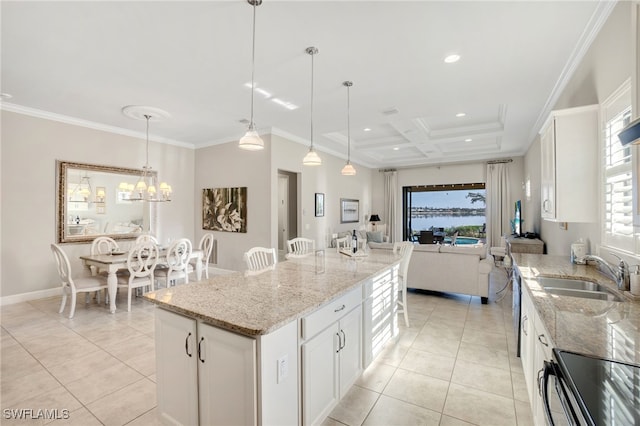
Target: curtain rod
(387, 170)
(506, 160)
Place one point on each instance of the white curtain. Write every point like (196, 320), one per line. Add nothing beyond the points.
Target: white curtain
(390, 202)
(499, 209)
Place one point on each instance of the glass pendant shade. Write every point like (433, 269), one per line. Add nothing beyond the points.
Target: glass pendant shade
(251, 141)
(312, 158)
(348, 170)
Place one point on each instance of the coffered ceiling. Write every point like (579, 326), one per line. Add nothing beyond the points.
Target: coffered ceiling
(84, 61)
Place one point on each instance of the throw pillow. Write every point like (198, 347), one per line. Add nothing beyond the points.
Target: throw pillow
(375, 237)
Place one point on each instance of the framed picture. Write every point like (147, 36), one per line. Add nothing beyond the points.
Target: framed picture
(224, 209)
(349, 210)
(319, 204)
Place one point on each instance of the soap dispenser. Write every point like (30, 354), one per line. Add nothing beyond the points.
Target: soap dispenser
(578, 252)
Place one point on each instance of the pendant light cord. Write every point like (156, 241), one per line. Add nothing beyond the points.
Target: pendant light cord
(312, 53)
(146, 164)
(348, 126)
(253, 62)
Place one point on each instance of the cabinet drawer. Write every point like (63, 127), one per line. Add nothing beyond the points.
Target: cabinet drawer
(377, 285)
(330, 313)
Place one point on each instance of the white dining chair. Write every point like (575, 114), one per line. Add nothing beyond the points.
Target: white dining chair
(145, 238)
(206, 245)
(176, 264)
(300, 246)
(74, 286)
(141, 264)
(405, 249)
(343, 243)
(102, 245)
(260, 258)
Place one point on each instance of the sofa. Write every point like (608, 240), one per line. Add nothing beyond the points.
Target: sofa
(450, 269)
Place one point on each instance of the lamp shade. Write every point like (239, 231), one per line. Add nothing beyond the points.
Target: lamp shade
(312, 159)
(251, 141)
(374, 218)
(348, 170)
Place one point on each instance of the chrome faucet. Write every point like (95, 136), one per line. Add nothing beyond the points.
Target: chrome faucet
(619, 275)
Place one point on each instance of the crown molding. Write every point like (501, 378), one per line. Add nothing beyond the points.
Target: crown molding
(595, 24)
(46, 115)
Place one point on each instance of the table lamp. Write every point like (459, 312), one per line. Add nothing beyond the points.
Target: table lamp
(373, 219)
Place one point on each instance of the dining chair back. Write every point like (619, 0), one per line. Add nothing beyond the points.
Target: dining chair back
(405, 249)
(260, 258)
(176, 262)
(102, 245)
(74, 286)
(343, 243)
(206, 245)
(146, 237)
(141, 264)
(426, 237)
(300, 246)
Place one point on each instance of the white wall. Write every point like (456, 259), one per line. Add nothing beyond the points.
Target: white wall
(606, 65)
(443, 174)
(30, 147)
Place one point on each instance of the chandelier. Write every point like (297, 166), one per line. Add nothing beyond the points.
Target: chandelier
(82, 191)
(146, 188)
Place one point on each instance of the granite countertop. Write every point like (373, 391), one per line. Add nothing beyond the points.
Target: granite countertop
(602, 328)
(259, 304)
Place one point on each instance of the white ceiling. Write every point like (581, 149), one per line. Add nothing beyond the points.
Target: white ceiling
(86, 60)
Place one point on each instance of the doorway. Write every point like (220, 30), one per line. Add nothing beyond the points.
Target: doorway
(287, 208)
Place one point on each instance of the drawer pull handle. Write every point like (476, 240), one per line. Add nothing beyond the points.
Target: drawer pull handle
(344, 340)
(339, 343)
(186, 345)
(339, 309)
(524, 330)
(540, 337)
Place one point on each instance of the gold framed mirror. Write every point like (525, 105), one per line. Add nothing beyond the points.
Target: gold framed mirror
(92, 202)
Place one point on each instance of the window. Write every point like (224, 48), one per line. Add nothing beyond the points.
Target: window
(617, 169)
(444, 210)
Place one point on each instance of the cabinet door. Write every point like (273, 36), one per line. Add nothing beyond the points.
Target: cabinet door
(320, 375)
(527, 342)
(176, 368)
(227, 377)
(548, 172)
(351, 349)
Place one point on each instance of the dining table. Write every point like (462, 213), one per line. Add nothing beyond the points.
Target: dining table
(113, 262)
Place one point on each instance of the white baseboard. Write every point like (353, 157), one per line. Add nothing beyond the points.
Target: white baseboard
(34, 295)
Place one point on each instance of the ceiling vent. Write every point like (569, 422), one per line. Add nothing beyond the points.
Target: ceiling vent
(390, 111)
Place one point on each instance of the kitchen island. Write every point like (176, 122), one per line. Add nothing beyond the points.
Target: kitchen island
(279, 347)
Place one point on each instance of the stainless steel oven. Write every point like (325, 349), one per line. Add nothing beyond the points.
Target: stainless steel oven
(592, 390)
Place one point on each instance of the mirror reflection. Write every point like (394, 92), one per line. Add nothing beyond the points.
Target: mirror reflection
(93, 200)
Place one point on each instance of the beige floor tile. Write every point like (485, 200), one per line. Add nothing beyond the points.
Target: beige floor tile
(80, 417)
(55, 355)
(389, 411)
(144, 364)
(16, 362)
(376, 377)
(392, 354)
(46, 407)
(425, 391)
(103, 382)
(478, 407)
(20, 389)
(131, 347)
(86, 366)
(452, 421)
(331, 422)
(484, 355)
(488, 379)
(442, 329)
(428, 364)
(485, 338)
(354, 407)
(126, 404)
(437, 345)
(150, 418)
(523, 413)
(520, 392)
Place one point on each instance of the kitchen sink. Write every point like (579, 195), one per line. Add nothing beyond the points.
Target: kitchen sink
(578, 288)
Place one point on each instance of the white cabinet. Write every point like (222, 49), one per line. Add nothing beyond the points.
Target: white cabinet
(569, 165)
(332, 357)
(527, 312)
(205, 375)
(380, 312)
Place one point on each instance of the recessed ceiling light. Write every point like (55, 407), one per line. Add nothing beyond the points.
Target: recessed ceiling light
(461, 114)
(288, 105)
(468, 140)
(452, 58)
(396, 148)
(366, 129)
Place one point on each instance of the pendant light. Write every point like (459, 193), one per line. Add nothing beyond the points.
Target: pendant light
(147, 188)
(251, 141)
(348, 169)
(312, 158)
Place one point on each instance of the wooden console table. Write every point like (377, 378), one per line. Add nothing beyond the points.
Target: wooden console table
(525, 245)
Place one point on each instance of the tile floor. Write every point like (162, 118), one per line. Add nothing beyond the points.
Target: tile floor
(455, 365)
